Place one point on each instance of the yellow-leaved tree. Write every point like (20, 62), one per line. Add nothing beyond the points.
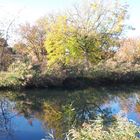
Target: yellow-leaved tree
(61, 43)
(86, 34)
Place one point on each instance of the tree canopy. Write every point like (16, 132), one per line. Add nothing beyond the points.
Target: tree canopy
(85, 34)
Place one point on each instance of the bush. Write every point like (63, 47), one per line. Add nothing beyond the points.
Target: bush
(18, 75)
(122, 129)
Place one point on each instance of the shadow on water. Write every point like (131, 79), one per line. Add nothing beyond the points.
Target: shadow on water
(44, 112)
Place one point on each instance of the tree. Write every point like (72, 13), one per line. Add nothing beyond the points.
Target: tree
(129, 51)
(88, 33)
(32, 39)
(6, 55)
(59, 42)
(98, 27)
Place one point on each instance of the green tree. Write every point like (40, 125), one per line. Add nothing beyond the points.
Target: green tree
(87, 34)
(98, 26)
(60, 42)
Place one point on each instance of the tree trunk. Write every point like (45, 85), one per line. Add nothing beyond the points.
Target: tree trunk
(86, 62)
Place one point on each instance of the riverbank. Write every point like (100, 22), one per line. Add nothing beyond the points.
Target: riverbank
(100, 78)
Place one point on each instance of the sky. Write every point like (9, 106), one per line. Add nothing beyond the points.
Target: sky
(134, 20)
(30, 10)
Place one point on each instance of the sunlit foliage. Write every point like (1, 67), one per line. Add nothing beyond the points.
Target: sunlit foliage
(88, 33)
(121, 129)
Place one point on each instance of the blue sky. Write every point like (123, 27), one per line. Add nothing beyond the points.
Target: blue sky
(134, 12)
(30, 10)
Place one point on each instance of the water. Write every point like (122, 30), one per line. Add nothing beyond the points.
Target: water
(36, 114)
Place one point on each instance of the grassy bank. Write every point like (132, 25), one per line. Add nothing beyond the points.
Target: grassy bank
(15, 80)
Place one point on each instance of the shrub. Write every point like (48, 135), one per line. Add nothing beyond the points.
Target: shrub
(18, 75)
(122, 129)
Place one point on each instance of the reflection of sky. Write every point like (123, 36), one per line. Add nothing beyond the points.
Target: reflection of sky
(113, 106)
(33, 130)
(128, 107)
(32, 9)
(14, 126)
(24, 131)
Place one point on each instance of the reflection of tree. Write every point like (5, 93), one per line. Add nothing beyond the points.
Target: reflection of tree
(5, 118)
(59, 110)
(127, 104)
(137, 108)
(52, 118)
(87, 103)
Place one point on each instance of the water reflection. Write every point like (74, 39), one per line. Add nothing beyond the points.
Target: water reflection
(5, 118)
(51, 113)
